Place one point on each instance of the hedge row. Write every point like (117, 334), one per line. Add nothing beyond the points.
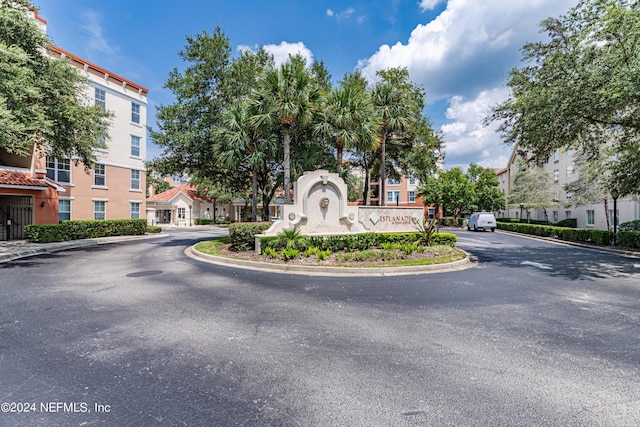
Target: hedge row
(74, 230)
(630, 239)
(363, 241)
(568, 222)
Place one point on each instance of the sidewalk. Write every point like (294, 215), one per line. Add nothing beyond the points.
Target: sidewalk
(15, 249)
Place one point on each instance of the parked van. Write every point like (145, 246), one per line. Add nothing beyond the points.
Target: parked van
(483, 220)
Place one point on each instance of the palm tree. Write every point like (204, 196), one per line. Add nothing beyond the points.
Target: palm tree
(240, 144)
(393, 109)
(347, 118)
(287, 95)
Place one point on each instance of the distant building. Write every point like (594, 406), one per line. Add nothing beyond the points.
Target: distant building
(561, 168)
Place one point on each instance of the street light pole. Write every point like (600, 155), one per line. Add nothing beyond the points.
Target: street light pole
(615, 196)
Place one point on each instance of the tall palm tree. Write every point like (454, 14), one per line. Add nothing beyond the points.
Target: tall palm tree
(242, 145)
(392, 106)
(347, 117)
(287, 95)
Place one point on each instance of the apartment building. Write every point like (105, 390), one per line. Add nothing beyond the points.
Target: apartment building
(115, 187)
(38, 189)
(561, 168)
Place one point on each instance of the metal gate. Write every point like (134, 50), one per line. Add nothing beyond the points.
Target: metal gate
(16, 212)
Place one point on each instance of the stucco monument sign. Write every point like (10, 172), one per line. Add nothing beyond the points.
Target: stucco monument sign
(320, 208)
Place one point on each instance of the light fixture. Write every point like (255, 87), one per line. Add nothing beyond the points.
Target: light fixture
(42, 204)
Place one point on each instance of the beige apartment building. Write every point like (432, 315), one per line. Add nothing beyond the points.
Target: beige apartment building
(561, 168)
(38, 189)
(115, 187)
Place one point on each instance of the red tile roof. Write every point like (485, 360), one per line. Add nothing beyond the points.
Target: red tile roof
(20, 179)
(185, 189)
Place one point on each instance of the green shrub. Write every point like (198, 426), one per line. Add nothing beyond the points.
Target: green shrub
(203, 221)
(289, 239)
(568, 222)
(289, 254)
(242, 235)
(89, 229)
(154, 229)
(322, 255)
(270, 252)
(630, 226)
(597, 237)
(629, 239)
(312, 250)
(447, 239)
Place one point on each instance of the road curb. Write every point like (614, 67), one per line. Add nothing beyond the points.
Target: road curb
(462, 264)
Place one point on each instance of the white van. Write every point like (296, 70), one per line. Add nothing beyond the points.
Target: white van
(483, 220)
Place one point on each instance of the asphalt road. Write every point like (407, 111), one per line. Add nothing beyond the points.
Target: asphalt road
(136, 334)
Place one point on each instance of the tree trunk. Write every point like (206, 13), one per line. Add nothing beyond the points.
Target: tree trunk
(383, 172)
(254, 194)
(365, 195)
(287, 165)
(215, 217)
(339, 156)
(606, 213)
(265, 205)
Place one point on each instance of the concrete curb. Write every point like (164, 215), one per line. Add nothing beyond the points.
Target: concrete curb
(462, 264)
(32, 249)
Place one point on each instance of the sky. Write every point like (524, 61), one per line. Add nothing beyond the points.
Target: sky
(460, 51)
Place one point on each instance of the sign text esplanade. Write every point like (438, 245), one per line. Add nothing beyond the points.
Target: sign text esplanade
(321, 208)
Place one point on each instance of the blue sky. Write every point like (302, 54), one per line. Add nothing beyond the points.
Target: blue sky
(459, 50)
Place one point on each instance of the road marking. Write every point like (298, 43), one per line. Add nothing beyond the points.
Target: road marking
(537, 264)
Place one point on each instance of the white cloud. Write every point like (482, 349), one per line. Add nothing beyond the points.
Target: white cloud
(467, 139)
(463, 56)
(282, 51)
(96, 41)
(467, 44)
(425, 5)
(343, 15)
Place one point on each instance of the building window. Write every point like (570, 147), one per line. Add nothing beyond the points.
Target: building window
(391, 181)
(617, 217)
(135, 113)
(101, 140)
(431, 213)
(569, 170)
(100, 99)
(556, 155)
(99, 209)
(99, 175)
(135, 179)
(412, 180)
(556, 175)
(393, 196)
(135, 146)
(64, 210)
(567, 214)
(182, 213)
(591, 218)
(135, 210)
(412, 196)
(59, 170)
(555, 217)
